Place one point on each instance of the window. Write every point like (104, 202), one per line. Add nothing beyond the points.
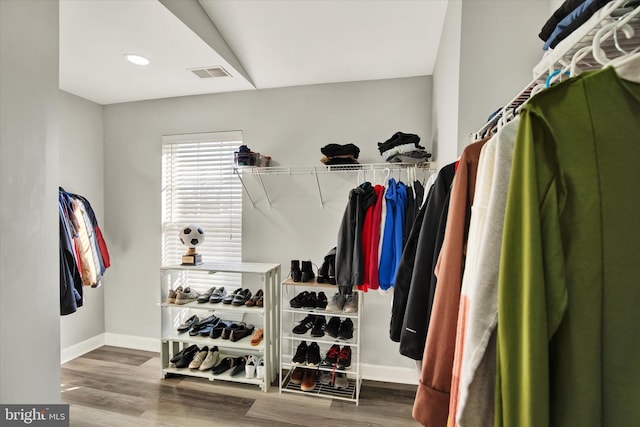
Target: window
(199, 187)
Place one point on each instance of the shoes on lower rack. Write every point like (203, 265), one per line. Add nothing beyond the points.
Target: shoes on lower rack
(318, 327)
(344, 360)
(187, 357)
(199, 358)
(324, 377)
(308, 380)
(229, 298)
(313, 355)
(241, 332)
(346, 330)
(242, 297)
(351, 303)
(218, 295)
(321, 301)
(300, 358)
(171, 297)
(336, 304)
(298, 300)
(260, 368)
(186, 296)
(331, 356)
(211, 320)
(206, 295)
(239, 365)
(250, 367)
(224, 365)
(304, 325)
(310, 301)
(341, 382)
(188, 324)
(253, 301)
(211, 359)
(181, 353)
(257, 336)
(333, 327)
(297, 375)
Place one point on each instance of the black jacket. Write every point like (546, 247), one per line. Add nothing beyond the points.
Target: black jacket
(415, 319)
(349, 261)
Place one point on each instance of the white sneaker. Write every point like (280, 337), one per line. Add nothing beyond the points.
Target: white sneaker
(260, 368)
(211, 359)
(199, 358)
(336, 303)
(250, 367)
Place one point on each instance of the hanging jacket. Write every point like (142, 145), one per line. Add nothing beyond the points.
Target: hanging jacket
(370, 242)
(415, 317)
(392, 239)
(349, 255)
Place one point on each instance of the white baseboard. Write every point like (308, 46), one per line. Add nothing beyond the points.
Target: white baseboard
(131, 341)
(77, 350)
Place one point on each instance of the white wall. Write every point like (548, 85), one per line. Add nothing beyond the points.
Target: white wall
(446, 80)
(29, 271)
(82, 172)
(291, 125)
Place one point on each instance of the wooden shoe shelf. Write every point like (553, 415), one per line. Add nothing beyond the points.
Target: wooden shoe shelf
(290, 317)
(266, 317)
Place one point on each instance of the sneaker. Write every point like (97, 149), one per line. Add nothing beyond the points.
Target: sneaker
(186, 296)
(336, 304)
(298, 300)
(171, 298)
(308, 380)
(331, 356)
(341, 382)
(250, 367)
(333, 327)
(260, 368)
(206, 295)
(321, 301)
(296, 375)
(324, 377)
(311, 300)
(313, 355)
(318, 327)
(211, 359)
(304, 325)
(300, 358)
(199, 358)
(344, 360)
(351, 303)
(346, 330)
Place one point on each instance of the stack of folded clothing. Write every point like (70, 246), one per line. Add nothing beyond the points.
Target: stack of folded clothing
(337, 154)
(403, 148)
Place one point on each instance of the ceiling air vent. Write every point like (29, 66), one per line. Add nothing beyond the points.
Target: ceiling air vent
(207, 73)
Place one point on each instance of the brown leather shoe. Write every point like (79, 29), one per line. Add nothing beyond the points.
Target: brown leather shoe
(296, 375)
(257, 336)
(308, 380)
(241, 332)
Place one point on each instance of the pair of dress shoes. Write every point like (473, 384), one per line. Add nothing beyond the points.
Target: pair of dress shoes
(237, 331)
(183, 358)
(237, 363)
(238, 297)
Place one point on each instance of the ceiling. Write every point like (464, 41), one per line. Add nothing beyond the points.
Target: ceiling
(260, 43)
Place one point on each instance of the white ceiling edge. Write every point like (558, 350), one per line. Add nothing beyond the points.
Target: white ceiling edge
(95, 35)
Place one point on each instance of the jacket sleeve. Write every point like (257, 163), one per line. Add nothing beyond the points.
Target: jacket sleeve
(531, 292)
(344, 247)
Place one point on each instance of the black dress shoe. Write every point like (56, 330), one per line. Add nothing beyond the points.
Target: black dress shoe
(295, 273)
(242, 297)
(202, 324)
(205, 297)
(187, 357)
(224, 365)
(181, 353)
(241, 332)
(307, 272)
(229, 298)
(218, 295)
(238, 365)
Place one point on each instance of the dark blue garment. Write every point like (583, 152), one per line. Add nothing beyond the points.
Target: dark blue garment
(70, 280)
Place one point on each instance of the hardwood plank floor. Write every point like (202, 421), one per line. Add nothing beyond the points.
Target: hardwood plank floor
(113, 386)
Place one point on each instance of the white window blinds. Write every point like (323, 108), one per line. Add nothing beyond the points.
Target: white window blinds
(199, 187)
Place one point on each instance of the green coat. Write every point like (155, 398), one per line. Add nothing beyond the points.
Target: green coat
(569, 284)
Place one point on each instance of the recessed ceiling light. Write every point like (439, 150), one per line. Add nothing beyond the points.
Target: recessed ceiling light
(137, 59)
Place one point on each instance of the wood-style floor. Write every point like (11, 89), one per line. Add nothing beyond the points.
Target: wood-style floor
(113, 386)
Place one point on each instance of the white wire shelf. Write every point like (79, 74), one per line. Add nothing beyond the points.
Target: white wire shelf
(315, 171)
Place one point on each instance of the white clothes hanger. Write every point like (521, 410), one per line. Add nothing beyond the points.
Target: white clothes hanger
(628, 67)
(598, 53)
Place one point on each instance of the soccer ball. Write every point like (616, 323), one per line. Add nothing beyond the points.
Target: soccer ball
(192, 235)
